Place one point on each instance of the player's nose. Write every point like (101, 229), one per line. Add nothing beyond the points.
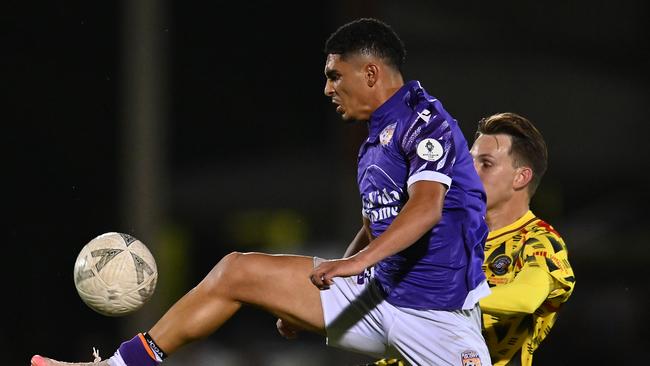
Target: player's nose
(329, 90)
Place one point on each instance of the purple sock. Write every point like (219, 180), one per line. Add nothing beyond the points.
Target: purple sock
(137, 352)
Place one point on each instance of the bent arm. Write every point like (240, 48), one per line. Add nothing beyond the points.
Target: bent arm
(524, 294)
(360, 241)
(421, 212)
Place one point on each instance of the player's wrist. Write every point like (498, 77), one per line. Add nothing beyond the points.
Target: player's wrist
(364, 259)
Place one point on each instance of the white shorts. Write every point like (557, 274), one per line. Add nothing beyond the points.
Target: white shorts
(357, 318)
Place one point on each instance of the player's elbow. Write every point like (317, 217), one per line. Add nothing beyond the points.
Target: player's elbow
(431, 218)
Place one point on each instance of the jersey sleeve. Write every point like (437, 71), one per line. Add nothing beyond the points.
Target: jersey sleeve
(428, 145)
(547, 251)
(524, 294)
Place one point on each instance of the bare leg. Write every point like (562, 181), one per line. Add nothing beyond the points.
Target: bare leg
(277, 283)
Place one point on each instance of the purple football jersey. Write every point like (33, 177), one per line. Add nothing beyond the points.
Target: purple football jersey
(412, 138)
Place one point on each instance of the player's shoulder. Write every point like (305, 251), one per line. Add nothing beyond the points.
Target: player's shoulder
(540, 227)
(425, 107)
(540, 231)
(425, 118)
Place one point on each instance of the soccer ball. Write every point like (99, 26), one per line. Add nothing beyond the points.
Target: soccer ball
(115, 274)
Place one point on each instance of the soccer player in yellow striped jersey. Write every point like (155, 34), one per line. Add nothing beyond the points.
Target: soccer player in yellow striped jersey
(526, 260)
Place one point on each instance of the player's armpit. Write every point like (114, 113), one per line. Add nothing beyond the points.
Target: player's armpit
(523, 295)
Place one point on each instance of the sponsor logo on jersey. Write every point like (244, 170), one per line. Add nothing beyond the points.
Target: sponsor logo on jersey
(430, 149)
(381, 205)
(500, 264)
(470, 358)
(387, 134)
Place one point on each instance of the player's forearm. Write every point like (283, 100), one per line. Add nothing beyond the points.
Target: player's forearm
(524, 294)
(415, 219)
(359, 242)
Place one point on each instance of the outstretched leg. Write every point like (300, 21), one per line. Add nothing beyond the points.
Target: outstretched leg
(277, 283)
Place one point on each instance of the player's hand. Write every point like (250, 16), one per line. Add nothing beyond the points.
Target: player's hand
(322, 275)
(287, 330)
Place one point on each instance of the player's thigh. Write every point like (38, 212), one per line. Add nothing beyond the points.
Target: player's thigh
(280, 284)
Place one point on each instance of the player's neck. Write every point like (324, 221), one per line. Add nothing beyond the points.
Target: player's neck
(388, 85)
(503, 215)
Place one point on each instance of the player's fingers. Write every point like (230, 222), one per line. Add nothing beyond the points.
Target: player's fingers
(280, 325)
(317, 279)
(286, 330)
(289, 333)
(328, 279)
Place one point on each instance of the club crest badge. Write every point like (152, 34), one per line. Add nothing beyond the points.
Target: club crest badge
(500, 264)
(387, 134)
(430, 149)
(470, 358)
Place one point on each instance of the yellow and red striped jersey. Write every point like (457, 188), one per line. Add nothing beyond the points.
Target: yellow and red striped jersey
(528, 242)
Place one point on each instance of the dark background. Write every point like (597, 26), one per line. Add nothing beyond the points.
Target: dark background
(202, 129)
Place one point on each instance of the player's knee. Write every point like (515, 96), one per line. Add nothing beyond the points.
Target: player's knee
(228, 273)
(221, 271)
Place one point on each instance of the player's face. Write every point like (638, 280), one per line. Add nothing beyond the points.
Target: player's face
(346, 85)
(495, 166)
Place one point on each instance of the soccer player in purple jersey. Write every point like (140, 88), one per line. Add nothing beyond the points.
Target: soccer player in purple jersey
(411, 280)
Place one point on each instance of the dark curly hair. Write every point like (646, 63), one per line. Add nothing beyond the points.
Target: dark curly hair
(368, 36)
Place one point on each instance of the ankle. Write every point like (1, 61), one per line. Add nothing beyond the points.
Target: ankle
(140, 350)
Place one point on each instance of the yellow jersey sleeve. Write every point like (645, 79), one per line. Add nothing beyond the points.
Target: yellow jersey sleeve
(545, 249)
(523, 295)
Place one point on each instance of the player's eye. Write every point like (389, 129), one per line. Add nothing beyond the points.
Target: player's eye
(333, 76)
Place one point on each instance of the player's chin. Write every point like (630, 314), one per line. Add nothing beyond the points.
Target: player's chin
(347, 118)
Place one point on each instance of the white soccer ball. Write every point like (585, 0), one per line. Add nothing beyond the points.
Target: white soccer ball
(115, 274)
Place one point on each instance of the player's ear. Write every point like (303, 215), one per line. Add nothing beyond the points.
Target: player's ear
(372, 74)
(523, 176)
